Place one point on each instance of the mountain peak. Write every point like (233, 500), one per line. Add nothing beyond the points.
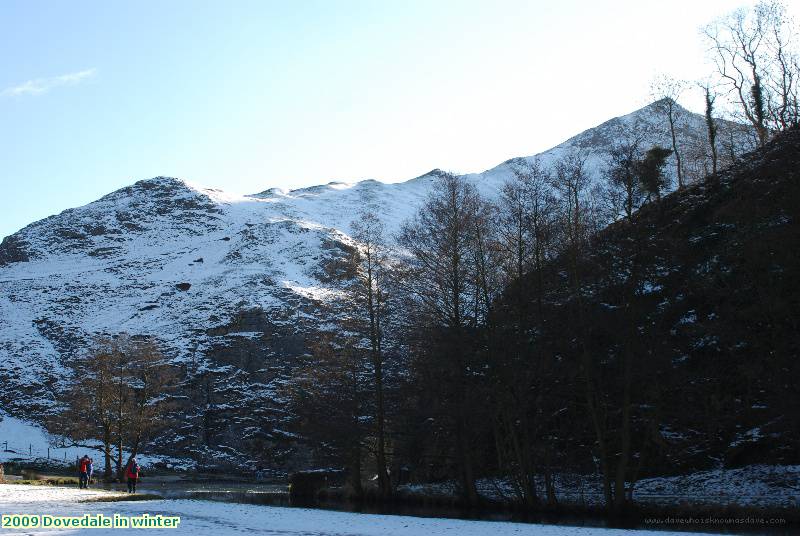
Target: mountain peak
(215, 277)
(167, 183)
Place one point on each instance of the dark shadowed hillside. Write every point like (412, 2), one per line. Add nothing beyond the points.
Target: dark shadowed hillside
(680, 349)
(233, 287)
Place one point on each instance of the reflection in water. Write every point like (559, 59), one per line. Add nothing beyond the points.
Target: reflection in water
(278, 495)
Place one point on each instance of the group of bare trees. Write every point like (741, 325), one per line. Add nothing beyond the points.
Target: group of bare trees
(370, 293)
(339, 395)
(465, 303)
(471, 350)
(328, 401)
(120, 390)
(481, 290)
(450, 284)
(478, 382)
(757, 66)
(754, 87)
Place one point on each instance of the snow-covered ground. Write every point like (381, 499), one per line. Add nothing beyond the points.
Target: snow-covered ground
(29, 442)
(753, 485)
(201, 518)
(773, 486)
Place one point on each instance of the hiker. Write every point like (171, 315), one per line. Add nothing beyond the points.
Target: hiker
(90, 472)
(132, 474)
(83, 471)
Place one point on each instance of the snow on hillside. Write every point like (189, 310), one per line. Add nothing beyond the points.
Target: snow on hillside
(160, 258)
(336, 204)
(216, 277)
(27, 442)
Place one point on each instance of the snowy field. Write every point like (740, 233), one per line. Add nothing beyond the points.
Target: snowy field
(29, 442)
(203, 518)
(22, 440)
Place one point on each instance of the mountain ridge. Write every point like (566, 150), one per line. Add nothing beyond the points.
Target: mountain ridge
(225, 282)
(648, 115)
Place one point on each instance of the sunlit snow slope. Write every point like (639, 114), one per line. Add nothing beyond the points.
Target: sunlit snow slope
(231, 285)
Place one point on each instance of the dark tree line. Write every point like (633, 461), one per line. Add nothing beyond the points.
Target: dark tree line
(530, 341)
(482, 391)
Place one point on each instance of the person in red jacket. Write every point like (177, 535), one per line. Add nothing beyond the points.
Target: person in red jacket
(132, 474)
(83, 471)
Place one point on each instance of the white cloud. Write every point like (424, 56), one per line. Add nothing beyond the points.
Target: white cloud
(39, 86)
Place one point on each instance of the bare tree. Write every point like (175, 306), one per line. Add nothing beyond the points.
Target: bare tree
(573, 185)
(89, 402)
(784, 78)
(737, 43)
(755, 58)
(623, 190)
(327, 396)
(524, 219)
(152, 379)
(667, 91)
(525, 225)
(121, 396)
(440, 241)
(711, 127)
(370, 293)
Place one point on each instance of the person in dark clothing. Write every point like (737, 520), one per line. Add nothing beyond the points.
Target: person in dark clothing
(89, 472)
(132, 474)
(83, 471)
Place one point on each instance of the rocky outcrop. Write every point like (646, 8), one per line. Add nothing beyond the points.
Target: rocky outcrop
(234, 287)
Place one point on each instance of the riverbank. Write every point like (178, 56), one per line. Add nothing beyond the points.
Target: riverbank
(441, 501)
(206, 518)
(681, 515)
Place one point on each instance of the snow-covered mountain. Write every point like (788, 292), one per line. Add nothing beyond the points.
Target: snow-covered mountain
(233, 286)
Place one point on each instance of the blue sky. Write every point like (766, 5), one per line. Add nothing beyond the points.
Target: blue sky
(246, 95)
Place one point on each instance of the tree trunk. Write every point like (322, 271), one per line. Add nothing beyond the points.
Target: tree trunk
(120, 475)
(383, 475)
(549, 486)
(107, 452)
(468, 489)
(675, 146)
(135, 445)
(625, 452)
(355, 472)
(622, 472)
(377, 364)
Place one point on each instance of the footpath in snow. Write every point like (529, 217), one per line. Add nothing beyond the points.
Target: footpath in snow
(204, 518)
